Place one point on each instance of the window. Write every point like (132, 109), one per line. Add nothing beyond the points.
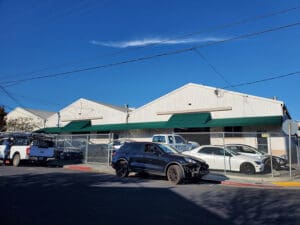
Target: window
(206, 150)
(233, 131)
(160, 139)
(43, 143)
(149, 148)
(171, 139)
(179, 140)
(221, 152)
(21, 141)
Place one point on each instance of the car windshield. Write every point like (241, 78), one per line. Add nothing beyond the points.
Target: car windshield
(168, 149)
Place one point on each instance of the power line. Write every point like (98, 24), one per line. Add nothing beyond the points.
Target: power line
(212, 67)
(152, 56)
(9, 95)
(265, 79)
(213, 28)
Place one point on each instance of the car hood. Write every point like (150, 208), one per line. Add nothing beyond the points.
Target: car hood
(182, 157)
(251, 157)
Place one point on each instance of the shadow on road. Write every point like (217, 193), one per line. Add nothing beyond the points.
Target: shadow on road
(77, 198)
(70, 198)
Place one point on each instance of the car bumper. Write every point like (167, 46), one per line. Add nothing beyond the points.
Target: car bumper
(259, 168)
(192, 171)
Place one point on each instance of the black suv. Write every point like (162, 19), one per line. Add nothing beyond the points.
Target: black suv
(159, 159)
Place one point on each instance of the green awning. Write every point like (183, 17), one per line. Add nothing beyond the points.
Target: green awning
(76, 126)
(49, 130)
(125, 126)
(245, 121)
(176, 121)
(188, 120)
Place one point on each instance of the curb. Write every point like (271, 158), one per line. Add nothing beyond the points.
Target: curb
(240, 184)
(79, 168)
(287, 183)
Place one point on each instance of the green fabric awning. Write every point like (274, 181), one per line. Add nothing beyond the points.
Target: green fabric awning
(245, 121)
(76, 126)
(188, 120)
(49, 130)
(176, 121)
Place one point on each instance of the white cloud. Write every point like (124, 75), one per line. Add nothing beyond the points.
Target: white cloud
(150, 41)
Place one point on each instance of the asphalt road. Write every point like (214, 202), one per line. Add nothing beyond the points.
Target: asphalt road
(55, 196)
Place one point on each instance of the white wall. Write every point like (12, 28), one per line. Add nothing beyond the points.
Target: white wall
(84, 109)
(196, 97)
(24, 116)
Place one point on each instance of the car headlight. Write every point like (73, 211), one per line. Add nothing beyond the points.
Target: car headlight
(258, 162)
(189, 160)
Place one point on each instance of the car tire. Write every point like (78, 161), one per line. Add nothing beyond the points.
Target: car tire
(175, 174)
(16, 160)
(276, 165)
(122, 169)
(247, 168)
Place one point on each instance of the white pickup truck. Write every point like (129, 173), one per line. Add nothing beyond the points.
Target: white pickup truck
(175, 141)
(27, 148)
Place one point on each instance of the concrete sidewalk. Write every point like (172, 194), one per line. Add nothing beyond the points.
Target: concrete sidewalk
(230, 179)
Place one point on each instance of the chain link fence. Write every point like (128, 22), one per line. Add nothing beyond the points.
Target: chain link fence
(242, 151)
(89, 148)
(228, 153)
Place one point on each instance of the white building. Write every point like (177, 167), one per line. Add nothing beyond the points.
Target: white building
(190, 108)
(85, 113)
(23, 119)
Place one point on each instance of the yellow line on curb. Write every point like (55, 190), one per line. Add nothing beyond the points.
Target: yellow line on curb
(288, 183)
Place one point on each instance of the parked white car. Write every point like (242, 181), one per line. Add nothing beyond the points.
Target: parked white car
(277, 162)
(219, 158)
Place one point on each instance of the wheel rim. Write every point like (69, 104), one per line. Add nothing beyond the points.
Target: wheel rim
(172, 174)
(122, 169)
(248, 169)
(16, 160)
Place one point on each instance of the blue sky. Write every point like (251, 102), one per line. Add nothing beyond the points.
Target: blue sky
(40, 38)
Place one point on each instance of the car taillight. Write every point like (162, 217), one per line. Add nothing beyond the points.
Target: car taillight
(28, 151)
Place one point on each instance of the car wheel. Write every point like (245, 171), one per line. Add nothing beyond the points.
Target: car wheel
(16, 160)
(276, 165)
(247, 168)
(122, 169)
(175, 174)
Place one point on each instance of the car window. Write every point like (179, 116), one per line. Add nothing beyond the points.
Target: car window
(149, 148)
(132, 147)
(43, 143)
(171, 139)
(206, 150)
(159, 139)
(247, 149)
(179, 140)
(219, 151)
(21, 141)
(168, 149)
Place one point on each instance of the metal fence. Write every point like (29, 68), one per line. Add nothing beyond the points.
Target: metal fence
(89, 148)
(275, 148)
(97, 148)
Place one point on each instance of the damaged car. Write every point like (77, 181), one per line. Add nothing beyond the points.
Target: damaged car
(158, 159)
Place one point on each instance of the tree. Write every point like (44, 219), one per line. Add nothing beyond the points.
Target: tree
(2, 118)
(22, 124)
